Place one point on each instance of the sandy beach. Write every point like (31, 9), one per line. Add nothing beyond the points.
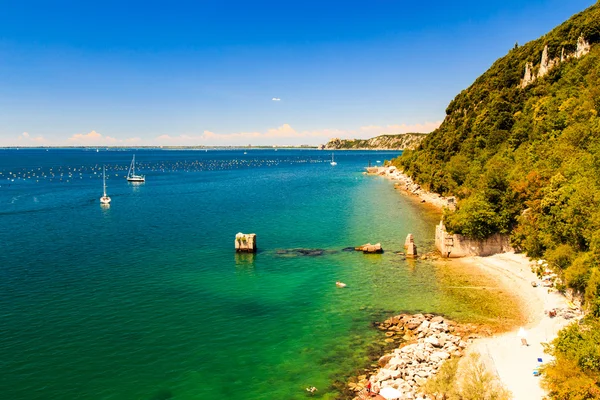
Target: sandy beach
(504, 354)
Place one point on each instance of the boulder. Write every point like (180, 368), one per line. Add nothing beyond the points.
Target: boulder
(413, 323)
(372, 249)
(384, 360)
(439, 356)
(433, 341)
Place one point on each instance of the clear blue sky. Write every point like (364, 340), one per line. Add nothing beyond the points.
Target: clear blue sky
(206, 72)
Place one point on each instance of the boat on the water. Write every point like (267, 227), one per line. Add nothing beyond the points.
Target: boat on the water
(333, 163)
(104, 199)
(340, 284)
(131, 176)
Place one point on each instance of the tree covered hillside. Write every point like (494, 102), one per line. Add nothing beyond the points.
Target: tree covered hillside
(524, 158)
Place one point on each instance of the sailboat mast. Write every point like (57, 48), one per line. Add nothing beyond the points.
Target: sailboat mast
(104, 178)
(129, 172)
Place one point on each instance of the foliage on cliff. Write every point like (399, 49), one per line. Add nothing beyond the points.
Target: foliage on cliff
(383, 142)
(526, 161)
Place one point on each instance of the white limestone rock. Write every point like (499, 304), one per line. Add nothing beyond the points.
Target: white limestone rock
(583, 47)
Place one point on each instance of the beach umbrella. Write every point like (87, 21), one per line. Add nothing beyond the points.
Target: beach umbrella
(389, 393)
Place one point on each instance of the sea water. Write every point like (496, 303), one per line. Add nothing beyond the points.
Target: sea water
(146, 299)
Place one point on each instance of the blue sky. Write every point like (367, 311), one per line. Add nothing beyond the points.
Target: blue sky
(206, 72)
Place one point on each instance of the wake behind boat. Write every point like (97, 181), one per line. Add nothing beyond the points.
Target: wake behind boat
(131, 176)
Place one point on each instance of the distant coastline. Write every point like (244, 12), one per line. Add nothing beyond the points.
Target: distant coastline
(405, 141)
(302, 147)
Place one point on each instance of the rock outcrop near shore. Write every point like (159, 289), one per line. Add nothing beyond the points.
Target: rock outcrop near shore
(406, 141)
(427, 341)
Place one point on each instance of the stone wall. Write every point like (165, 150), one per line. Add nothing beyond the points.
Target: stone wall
(454, 246)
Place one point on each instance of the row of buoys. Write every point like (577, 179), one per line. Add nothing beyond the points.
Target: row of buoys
(63, 173)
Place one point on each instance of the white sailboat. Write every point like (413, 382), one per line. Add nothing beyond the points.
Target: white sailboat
(104, 199)
(131, 176)
(333, 163)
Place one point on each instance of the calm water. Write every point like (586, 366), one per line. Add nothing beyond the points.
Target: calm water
(146, 299)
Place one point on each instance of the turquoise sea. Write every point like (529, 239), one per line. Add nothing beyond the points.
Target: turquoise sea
(146, 299)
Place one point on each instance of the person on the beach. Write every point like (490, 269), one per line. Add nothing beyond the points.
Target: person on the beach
(368, 387)
(523, 335)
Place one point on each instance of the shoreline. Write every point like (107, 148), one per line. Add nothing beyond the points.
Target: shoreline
(504, 354)
(405, 184)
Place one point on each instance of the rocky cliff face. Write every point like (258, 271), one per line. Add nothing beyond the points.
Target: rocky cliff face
(547, 63)
(405, 141)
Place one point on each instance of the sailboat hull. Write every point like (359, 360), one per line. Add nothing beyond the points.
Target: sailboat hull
(131, 176)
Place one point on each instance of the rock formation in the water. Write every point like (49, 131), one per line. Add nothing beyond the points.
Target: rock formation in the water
(410, 247)
(245, 242)
(547, 63)
(370, 248)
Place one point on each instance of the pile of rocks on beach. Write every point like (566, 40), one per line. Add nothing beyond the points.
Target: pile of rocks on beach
(428, 341)
(405, 183)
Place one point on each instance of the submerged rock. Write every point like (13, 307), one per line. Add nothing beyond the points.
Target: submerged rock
(304, 252)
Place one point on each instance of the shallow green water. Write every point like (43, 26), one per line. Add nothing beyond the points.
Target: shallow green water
(147, 300)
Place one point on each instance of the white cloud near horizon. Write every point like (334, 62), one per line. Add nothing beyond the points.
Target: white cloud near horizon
(26, 140)
(282, 135)
(96, 139)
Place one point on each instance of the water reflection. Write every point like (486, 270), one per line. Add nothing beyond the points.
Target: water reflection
(244, 263)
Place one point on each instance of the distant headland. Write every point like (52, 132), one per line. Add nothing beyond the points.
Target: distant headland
(405, 141)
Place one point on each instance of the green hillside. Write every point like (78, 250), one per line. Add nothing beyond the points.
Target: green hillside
(524, 158)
